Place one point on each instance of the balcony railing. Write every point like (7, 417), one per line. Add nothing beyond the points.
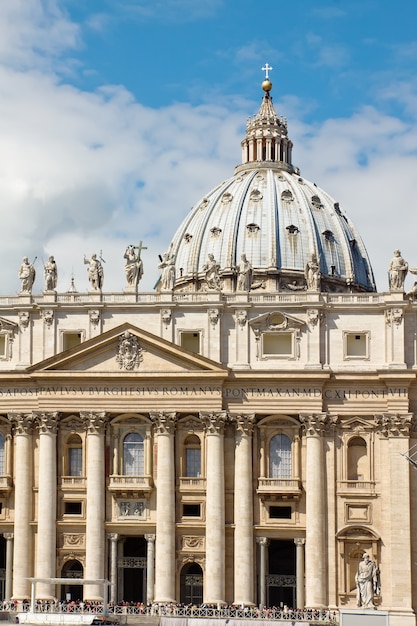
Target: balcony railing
(194, 483)
(281, 487)
(130, 484)
(74, 483)
(356, 486)
(6, 484)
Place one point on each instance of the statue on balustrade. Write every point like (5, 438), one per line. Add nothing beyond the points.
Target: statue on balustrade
(27, 275)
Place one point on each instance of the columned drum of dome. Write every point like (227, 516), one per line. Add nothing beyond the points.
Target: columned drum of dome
(275, 217)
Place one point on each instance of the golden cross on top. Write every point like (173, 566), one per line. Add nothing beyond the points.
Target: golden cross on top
(267, 68)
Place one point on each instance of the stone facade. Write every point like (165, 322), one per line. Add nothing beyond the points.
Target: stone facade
(204, 443)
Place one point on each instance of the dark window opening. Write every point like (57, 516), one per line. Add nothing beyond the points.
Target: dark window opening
(73, 508)
(280, 512)
(191, 510)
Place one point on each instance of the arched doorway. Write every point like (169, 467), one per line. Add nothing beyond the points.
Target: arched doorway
(191, 584)
(72, 570)
(281, 578)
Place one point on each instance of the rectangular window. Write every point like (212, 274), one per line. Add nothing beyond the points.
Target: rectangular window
(191, 510)
(3, 346)
(71, 339)
(277, 344)
(190, 341)
(280, 512)
(73, 508)
(356, 345)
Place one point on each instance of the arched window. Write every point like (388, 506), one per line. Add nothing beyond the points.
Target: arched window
(357, 459)
(192, 457)
(2, 464)
(133, 455)
(75, 456)
(280, 462)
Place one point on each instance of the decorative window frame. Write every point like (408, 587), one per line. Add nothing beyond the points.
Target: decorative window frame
(191, 331)
(277, 323)
(366, 334)
(73, 331)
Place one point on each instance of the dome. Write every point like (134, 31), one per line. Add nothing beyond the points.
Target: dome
(272, 218)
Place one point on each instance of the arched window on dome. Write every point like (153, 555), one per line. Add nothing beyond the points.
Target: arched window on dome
(2, 455)
(74, 456)
(357, 459)
(133, 455)
(192, 457)
(280, 457)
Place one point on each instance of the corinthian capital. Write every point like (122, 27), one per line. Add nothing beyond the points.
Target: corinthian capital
(95, 422)
(214, 422)
(164, 422)
(244, 423)
(22, 423)
(394, 424)
(47, 422)
(318, 423)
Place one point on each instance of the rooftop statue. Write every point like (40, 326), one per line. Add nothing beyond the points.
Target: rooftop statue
(397, 271)
(95, 272)
(312, 273)
(244, 274)
(50, 274)
(134, 265)
(211, 270)
(27, 275)
(167, 265)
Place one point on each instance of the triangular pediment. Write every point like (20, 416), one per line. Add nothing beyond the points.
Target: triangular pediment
(131, 351)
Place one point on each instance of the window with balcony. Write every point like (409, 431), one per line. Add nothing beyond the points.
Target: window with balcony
(357, 459)
(133, 455)
(280, 459)
(192, 457)
(75, 456)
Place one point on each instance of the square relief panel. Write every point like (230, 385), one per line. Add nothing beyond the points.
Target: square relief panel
(358, 512)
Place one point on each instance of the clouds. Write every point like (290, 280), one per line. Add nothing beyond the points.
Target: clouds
(90, 170)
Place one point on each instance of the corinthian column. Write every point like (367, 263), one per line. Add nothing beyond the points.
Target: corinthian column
(9, 565)
(214, 587)
(243, 515)
(23, 543)
(165, 508)
(95, 540)
(46, 542)
(315, 547)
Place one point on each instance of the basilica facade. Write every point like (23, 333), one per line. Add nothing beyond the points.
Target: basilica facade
(242, 434)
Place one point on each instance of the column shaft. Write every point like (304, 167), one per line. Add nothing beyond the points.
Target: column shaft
(315, 566)
(46, 540)
(23, 542)
(150, 568)
(299, 551)
(243, 514)
(9, 565)
(165, 510)
(214, 592)
(95, 535)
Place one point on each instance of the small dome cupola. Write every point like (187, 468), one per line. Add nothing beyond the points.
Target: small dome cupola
(266, 134)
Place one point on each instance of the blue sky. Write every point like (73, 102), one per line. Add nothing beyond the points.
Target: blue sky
(117, 116)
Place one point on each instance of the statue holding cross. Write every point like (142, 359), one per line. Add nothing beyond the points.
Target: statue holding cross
(134, 265)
